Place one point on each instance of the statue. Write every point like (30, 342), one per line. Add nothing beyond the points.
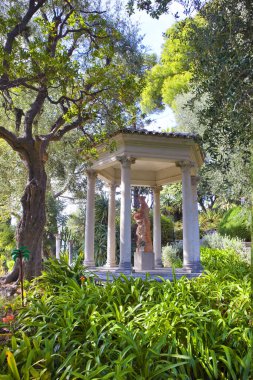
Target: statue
(144, 242)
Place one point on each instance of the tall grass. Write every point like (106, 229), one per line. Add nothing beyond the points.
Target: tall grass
(135, 329)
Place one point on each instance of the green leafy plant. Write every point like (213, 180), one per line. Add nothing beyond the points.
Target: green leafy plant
(21, 254)
(209, 220)
(236, 223)
(136, 329)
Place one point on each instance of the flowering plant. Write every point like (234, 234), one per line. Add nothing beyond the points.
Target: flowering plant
(8, 319)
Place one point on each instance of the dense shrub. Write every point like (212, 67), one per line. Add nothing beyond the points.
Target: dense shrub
(218, 241)
(135, 329)
(172, 255)
(167, 230)
(178, 230)
(236, 223)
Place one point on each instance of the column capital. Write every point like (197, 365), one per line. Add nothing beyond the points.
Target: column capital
(185, 164)
(126, 161)
(57, 236)
(91, 174)
(157, 189)
(195, 180)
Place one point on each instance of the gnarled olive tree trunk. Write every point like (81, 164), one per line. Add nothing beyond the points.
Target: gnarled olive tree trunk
(31, 226)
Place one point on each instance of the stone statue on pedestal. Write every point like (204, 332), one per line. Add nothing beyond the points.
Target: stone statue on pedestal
(144, 242)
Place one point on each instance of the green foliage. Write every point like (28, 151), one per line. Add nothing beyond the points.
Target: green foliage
(213, 47)
(171, 201)
(135, 329)
(66, 68)
(156, 8)
(225, 59)
(217, 241)
(76, 224)
(209, 220)
(7, 241)
(236, 223)
(170, 77)
(55, 219)
(178, 230)
(172, 255)
(167, 230)
(12, 181)
(54, 277)
(225, 262)
(20, 253)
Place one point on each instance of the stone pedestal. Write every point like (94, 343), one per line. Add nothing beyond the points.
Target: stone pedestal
(144, 260)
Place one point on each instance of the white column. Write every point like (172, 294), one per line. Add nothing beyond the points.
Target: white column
(157, 227)
(190, 240)
(111, 234)
(125, 213)
(187, 213)
(195, 225)
(70, 249)
(57, 246)
(90, 219)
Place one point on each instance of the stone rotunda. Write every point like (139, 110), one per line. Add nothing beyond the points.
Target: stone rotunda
(150, 159)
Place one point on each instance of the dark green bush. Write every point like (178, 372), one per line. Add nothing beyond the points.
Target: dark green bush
(167, 228)
(236, 223)
(178, 230)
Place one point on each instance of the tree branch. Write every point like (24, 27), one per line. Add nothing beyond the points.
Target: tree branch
(57, 135)
(17, 30)
(34, 111)
(10, 138)
(65, 187)
(6, 84)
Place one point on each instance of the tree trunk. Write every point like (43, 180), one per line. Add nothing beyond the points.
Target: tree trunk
(31, 226)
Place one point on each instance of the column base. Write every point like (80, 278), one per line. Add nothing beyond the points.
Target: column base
(193, 267)
(110, 265)
(89, 263)
(125, 265)
(158, 263)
